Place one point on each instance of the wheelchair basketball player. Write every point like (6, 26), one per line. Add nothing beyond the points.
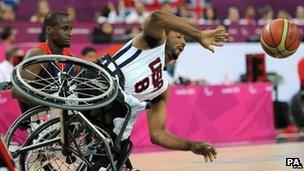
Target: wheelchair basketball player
(140, 65)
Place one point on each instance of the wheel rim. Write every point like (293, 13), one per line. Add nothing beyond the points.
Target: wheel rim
(36, 159)
(69, 90)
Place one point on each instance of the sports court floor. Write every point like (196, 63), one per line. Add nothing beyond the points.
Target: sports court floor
(260, 157)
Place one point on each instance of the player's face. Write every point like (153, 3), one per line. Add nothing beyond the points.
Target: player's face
(175, 44)
(90, 56)
(62, 33)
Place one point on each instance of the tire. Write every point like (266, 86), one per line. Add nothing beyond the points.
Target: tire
(44, 133)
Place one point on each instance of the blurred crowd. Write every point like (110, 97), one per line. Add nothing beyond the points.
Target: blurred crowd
(133, 12)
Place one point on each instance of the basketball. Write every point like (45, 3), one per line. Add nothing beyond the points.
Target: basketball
(280, 38)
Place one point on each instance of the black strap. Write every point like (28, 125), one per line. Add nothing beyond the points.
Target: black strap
(120, 53)
(105, 61)
(126, 62)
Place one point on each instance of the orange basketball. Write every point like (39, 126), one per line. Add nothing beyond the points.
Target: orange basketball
(280, 38)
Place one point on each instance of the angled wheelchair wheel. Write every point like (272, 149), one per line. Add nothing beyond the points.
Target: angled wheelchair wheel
(87, 151)
(30, 120)
(64, 82)
(47, 130)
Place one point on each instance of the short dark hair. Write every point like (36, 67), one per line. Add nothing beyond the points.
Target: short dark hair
(86, 50)
(6, 32)
(51, 18)
(11, 52)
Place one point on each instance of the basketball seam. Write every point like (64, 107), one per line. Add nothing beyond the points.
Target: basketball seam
(270, 52)
(287, 27)
(276, 47)
(293, 41)
(262, 37)
(266, 48)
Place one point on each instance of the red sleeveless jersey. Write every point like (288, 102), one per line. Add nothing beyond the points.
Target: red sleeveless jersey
(46, 48)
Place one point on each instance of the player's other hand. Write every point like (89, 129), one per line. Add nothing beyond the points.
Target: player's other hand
(215, 37)
(205, 149)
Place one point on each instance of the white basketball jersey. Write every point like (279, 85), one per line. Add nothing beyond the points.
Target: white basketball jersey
(143, 70)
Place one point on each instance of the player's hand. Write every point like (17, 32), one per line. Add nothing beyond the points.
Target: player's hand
(205, 149)
(215, 37)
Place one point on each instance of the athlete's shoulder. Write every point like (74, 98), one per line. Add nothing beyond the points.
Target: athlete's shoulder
(34, 52)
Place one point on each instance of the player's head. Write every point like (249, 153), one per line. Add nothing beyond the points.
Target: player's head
(7, 34)
(14, 55)
(175, 44)
(89, 53)
(58, 29)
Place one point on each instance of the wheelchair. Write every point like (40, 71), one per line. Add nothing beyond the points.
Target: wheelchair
(69, 140)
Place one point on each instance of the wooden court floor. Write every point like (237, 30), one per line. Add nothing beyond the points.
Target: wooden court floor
(265, 157)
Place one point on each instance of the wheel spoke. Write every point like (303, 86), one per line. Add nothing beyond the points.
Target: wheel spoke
(70, 69)
(56, 67)
(46, 89)
(49, 74)
(88, 85)
(71, 82)
(37, 76)
(83, 89)
(85, 94)
(91, 81)
(58, 159)
(37, 80)
(47, 86)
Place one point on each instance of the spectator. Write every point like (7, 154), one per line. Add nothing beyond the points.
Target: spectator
(233, 16)
(7, 13)
(297, 100)
(13, 56)
(138, 15)
(43, 9)
(108, 14)
(11, 3)
(301, 73)
(71, 11)
(7, 35)
(299, 19)
(266, 14)
(89, 54)
(131, 33)
(224, 27)
(103, 33)
(249, 16)
(209, 16)
(183, 12)
(166, 6)
(284, 14)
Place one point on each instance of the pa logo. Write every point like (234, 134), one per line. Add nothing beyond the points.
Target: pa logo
(294, 162)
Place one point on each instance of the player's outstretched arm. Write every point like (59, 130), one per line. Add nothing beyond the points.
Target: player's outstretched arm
(161, 136)
(159, 21)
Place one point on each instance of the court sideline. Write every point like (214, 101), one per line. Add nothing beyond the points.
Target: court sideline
(265, 157)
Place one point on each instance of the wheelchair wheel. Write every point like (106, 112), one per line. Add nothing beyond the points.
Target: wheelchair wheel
(84, 146)
(19, 131)
(67, 88)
